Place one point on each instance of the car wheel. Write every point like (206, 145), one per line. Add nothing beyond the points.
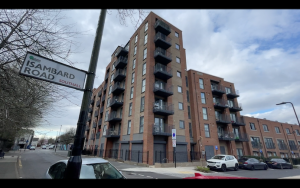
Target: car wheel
(236, 168)
(223, 168)
(266, 167)
(252, 167)
(292, 167)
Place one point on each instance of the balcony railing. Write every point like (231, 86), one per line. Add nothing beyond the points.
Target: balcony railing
(162, 56)
(118, 88)
(94, 125)
(114, 116)
(115, 103)
(282, 146)
(222, 118)
(90, 110)
(256, 144)
(162, 27)
(226, 136)
(97, 135)
(162, 71)
(112, 133)
(235, 108)
(162, 41)
(105, 87)
(238, 121)
(162, 129)
(162, 89)
(121, 62)
(103, 98)
(218, 89)
(119, 75)
(122, 51)
(100, 122)
(96, 114)
(101, 109)
(163, 109)
(220, 103)
(98, 103)
(270, 145)
(92, 101)
(233, 94)
(100, 93)
(89, 119)
(106, 76)
(87, 127)
(242, 137)
(92, 136)
(293, 147)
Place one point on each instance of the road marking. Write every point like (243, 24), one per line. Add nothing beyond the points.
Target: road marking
(20, 164)
(141, 175)
(149, 177)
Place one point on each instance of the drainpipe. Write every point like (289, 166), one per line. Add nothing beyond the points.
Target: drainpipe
(262, 138)
(286, 142)
(198, 116)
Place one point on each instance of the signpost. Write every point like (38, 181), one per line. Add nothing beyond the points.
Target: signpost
(174, 144)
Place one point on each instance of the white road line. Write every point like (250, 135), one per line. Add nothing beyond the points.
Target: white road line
(149, 177)
(141, 175)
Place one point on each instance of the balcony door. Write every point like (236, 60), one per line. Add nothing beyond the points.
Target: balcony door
(230, 103)
(218, 115)
(220, 131)
(160, 84)
(159, 125)
(233, 117)
(236, 132)
(159, 104)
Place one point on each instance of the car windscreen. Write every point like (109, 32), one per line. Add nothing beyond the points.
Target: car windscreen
(99, 171)
(279, 160)
(220, 157)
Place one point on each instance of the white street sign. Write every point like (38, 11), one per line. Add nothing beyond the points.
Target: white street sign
(174, 143)
(52, 71)
(173, 134)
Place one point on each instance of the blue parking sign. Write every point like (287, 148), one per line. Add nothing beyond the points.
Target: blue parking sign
(216, 147)
(260, 151)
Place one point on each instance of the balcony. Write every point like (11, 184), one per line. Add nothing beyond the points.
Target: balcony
(114, 117)
(103, 98)
(92, 102)
(162, 41)
(98, 103)
(293, 147)
(87, 128)
(121, 62)
(122, 51)
(97, 135)
(282, 146)
(162, 129)
(222, 118)
(105, 87)
(117, 88)
(96, 114)
(89, 119)
(94, 125)
(163, 109)
(92, 137)
(220, 103)
(226, 136)
(119, 75)
(239, 121)
(106, 76)
(235, 108)
(162, 27)
(101, 109)
(232, 94)
(110, 133)
(162, 71)
(100, 93)
(162, 89)
(270, 145)
(115, 103)
(90, 110)
(100, 122)
(162, 56)
(256, 144)
(241, 137)
(217, 90)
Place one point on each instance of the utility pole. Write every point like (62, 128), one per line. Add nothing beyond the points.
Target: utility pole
(56, 139)
(75, 160)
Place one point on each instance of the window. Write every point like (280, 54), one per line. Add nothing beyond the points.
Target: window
(203, 98)
(228, 90)
(255, 153)
(146, 26)
(206, 128)
(190, 130)
(145, 53)
(141, 124)
(132, 77)
(287, 131)
(269, 143)
(298, 142)
(177, 47)
(186, 81)
(142, 104)
(282, 155)
(108, 102)
(189, 112)
(143, 85)
(177, 60)
(113, 66)
(274, 154)
(176, 34)
(129, 127)
(145, 39)
(131, 93)
(133, 64)
(136, 38)
(252, 126)
(179, 89)
(144, 69)
(181, 124)
(230, 103)
(265, 127)
(233, 117)
(180, 106)
(204, 113)
(239, 152)
(112, 78)
(187, 96)
(297, 132)
(121, 110)
(277, 129)
(130, 109)
(134, 52)
(178, 74)
(104, 130)
(201, 83)
(109, 91)
(106, 116)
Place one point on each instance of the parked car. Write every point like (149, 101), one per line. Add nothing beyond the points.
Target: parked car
(200, 176)
(44, 147)
(91, 168)
(279, 163)
(252, 164)
(51, 147)
(32, 148)
(223, 162)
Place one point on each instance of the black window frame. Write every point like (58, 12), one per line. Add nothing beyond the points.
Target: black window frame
(180, 124)
(142, 107)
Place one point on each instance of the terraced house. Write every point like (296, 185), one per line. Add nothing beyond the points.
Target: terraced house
(147, 92)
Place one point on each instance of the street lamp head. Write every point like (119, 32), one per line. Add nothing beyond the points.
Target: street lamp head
(281, 103)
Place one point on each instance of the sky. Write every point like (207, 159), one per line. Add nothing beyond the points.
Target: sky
(257, 50)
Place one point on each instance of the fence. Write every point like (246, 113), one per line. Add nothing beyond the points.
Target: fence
(181, 156)
(136, 156)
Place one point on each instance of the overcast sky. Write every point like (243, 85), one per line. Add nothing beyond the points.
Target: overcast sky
(257, 50)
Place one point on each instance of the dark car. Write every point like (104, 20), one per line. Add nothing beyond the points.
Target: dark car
(252, 164)
(279, 163)
(200, 176)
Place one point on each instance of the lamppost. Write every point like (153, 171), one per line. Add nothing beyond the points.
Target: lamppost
(56, 139)
(293, 108)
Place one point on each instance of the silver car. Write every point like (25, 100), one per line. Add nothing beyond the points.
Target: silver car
(91, 168)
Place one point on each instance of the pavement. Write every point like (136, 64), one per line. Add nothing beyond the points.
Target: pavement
(9, 166)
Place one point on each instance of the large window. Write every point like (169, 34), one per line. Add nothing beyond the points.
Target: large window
(112, 78)
(206, 128)
(141, 124)
(132, 77)
(145, 53)
(178, 74)
(186, 81)
(145, 39)
(143, 85)
(142, 104)
(265, 127)
(233, 116)
(144, 69)
(228, 90)
(252, 126)
(277, 129)
(287, 131)
(297, 132)
(146, 26)
(201, 83)
(129, 127)
(269, 143)
(204, 113)
(106, 116)
(177, 46)
(177, 60)
(136, 38)
(108, 102)
(189, 112)
(130, 109)
(187, 96)
(109, 91)
(134, 52)
(180, 106)
(179, 89)
(113, 66)
(104, 130)
(181, 124)
(190, 130)
(133, 64)
(203, 98)
(131, 93)
(176, 34)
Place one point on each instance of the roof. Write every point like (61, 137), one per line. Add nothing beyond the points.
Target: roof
(89, 160)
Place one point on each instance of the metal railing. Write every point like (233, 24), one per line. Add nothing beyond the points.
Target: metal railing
(96, 113)
(218, 88)
(241, 137)
(98, 103)
(106, 76)
(121, 59)
(237, 120)
(89, 119)
(100, 122)
(163, 106)
(160, 51)
(126, 48)
(92, 101)
(101, 109)
(162, 68)
(94, 125)
(87, 127)
(113, 115)
(115, 100)
(219, 102)
(293, 146)
(222, 118)
(270, 145)
(233, 92)
(236, 107)
(163, 86)
(161, 36)
(118, 85)
(112, 132)
(103, 98)
(105, 86)
(92, 136)
(90, 110)
(162, 24)
(137, 156)
(120, 72)
(282, 146)
(97, 135)
(100, 93)
(162, 129)
(256, 144)
(226, 135)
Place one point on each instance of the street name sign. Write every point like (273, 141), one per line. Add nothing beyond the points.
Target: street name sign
(42, 68)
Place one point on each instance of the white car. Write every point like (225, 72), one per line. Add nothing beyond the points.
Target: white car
(32, 148)
(223, 162)
(51, 147)
(44, 147)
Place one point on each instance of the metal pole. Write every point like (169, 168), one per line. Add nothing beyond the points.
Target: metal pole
(74, 162)
(57, 138)
(138, 156)
(175, 155)
(295, 114)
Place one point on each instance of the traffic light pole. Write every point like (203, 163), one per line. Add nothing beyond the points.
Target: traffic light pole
(74, 162)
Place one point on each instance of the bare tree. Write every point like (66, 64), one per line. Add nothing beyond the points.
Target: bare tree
(68, 136)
